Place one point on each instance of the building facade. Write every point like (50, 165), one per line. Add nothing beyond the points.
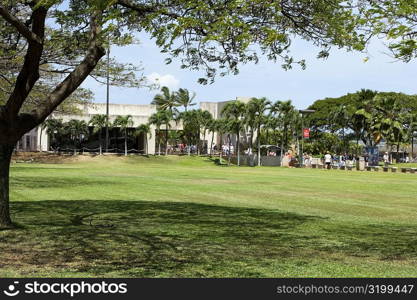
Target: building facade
(38, 139)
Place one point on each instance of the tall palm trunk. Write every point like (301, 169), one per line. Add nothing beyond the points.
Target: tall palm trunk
(230, 146)
(398, 149)
(221, 147)
(285, 137)
(238, 147)
(204, 142)
(166, 139)
(258, 138)
(251, 141)
(125, 142)
(198, 143)
(5, 158)
(211, 145)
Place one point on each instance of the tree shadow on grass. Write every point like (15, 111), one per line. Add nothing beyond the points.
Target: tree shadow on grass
(171, 239)
(54, 182)
(216, 161)
(142, 238)
(387, 242)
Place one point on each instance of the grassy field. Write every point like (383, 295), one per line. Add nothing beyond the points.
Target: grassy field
(188, 217)
(404, 165)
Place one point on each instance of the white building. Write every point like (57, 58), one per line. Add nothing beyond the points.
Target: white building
(38, 140)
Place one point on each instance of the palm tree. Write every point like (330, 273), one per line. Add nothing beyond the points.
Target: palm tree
(174, 137)
(221, 128)
(234, 112)
(77, 130)
(205, 119)
(144, 129)
(158, 119)
(166, 101)
(212, 128)
(286, 113)
(124, 122)
(53, 128)
(191, 127)
(183, 98)
(411, 118)
(256, 108)
(388, 119)
(249, 122)
(384, 117)
(99, 122)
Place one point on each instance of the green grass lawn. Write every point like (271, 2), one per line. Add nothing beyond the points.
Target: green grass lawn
(188, 217)
(404, 165)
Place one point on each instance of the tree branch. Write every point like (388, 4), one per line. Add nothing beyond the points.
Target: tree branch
(20, 26)
(94, 53)
(142, 9)
(29, 73)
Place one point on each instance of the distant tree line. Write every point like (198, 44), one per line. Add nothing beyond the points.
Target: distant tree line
(339, 125)
(366, 116)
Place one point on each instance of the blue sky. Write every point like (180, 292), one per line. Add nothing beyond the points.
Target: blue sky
(341, 73)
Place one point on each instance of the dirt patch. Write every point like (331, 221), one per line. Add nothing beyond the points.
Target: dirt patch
(47, 157)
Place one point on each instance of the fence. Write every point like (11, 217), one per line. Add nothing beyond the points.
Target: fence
(96, 150)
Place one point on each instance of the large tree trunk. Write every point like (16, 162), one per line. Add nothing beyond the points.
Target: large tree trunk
(5, 157)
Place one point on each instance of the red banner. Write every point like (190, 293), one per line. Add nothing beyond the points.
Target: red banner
(306, 133)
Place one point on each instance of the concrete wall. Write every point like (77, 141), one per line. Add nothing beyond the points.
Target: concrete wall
(216, 108)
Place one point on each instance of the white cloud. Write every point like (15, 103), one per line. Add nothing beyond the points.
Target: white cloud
(167, 80)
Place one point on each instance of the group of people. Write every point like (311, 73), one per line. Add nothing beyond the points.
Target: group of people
(339, 160)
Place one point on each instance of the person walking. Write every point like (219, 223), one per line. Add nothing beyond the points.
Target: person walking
(328, 160)
(386, 159)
